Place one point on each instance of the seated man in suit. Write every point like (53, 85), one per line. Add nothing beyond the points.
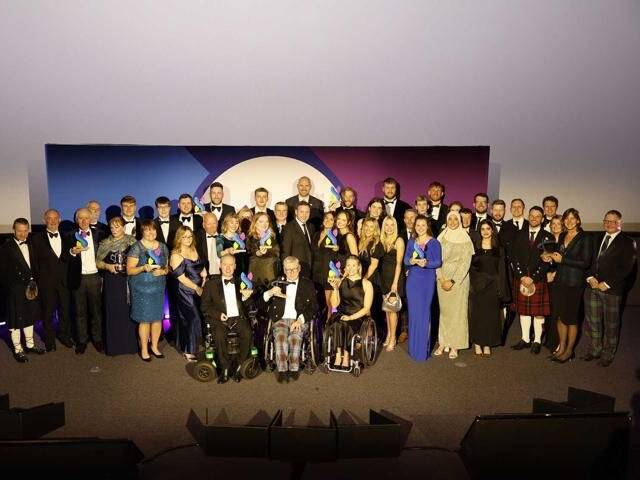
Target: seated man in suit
(315, 204)
(166, 226)
(215, 206)
(185, 213)
(95, 209)
(223, 307)
(614, 256)
(261, 197)
(296, 239)
(131, 222)
(19, 274)
(290, 310)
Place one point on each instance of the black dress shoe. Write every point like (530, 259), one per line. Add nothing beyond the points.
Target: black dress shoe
(281, 377)
(237, 377)
(67, 342)
(570, 358)
(589, 357)
(35, 349)
(20, 357)
(535, 348)
(148, 359)
(99, 347)
(157, 355)
(605, 362)
(80, 348)
(294, 375)
(224, 376)
(50, 348)
(521, 345)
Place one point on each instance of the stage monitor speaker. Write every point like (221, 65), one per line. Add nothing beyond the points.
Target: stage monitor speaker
(563, 445)
(578, 401)
(29, 423)
(384, 436)
(71, 458)
(217, 437)
(314, 442)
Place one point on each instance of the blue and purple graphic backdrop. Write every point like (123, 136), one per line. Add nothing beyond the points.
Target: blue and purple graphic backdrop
(79, 173)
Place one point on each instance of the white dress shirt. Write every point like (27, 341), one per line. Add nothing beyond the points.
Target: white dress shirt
(164, 227)
(520, 223)
(88, 257)
(435, 211)
(303, 229)
(230, 298)
(129, 227)
(24, 249)
(389, 207)
(55, 242)
(290, 302)
(303, 199)
(215, 211)
(214, 261)
(188, 220)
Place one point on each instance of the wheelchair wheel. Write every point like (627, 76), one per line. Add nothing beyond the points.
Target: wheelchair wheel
(269, 355)
(204, 371)
(369, 341)
(250, 368)
(311, 359)
(324, 368)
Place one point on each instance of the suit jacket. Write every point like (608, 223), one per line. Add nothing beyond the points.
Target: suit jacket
(103, 228)
(615, 263)
(294, 243)
(201, 247)
(475, 237)
(508, 234)
(398, 212)
(213, 303)
(576, 259)
(226, 210)
(174, 224)
(270, 213)
(55, 269)
(306, 303)
(526, 259)
(196, 222)
(474, 221)
(436, 225)
(15, 276)
(75, 263)
(137, 230)
(317, 209)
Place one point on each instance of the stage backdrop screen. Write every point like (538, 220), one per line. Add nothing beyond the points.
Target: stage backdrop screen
(79, 173)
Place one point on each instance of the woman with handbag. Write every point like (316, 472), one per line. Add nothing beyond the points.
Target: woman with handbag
(391, 277)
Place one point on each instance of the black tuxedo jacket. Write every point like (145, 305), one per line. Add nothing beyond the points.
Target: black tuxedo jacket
(174, 224)
(213, 303)
(75, 263)
(306, 303)
(196, 223)
(398, 212)
(436, 225)
(474, 221)
(201, 246)
(615, 263)
(295, 244)
(137, 230)
(508, 234)
(317, 209)
(55, 270)
(526, 259)
(475, 236)
(226, 210)
(103, 228)
(15, 276)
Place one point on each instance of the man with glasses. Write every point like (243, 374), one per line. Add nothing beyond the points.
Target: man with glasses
(613, 258)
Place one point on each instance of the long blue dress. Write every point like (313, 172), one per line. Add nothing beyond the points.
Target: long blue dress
(420, 287)
(189, 328)
(147, 290)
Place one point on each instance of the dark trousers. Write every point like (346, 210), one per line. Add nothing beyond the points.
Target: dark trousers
(602, 322)
(88, 302)
(221, 329)
(55, 298)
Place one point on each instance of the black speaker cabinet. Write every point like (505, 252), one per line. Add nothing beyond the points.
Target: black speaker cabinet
(313, 442)
(552, 445)
(578, 401)
(29, 423)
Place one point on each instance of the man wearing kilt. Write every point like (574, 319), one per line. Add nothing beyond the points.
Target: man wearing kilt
(531, 293)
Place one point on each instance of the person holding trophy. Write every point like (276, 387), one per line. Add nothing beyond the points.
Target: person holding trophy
(263, 249)
(233, 243)
(120, 331)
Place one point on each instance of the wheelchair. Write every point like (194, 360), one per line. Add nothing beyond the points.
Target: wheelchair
(206, 368)
(308, 352)
(363, 349)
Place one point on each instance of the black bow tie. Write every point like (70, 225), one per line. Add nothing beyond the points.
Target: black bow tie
(387, 202)
(185, 219)
(498, 223)
(230, 281)
(162, 222)
(217, 208)
(211, 236)
(51, 235)
(23, 243)
(128, 222)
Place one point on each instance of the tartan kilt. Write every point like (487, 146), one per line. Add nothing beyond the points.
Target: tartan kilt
(538, 304)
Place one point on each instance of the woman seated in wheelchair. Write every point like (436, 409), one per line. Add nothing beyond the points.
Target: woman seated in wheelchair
(352, 296)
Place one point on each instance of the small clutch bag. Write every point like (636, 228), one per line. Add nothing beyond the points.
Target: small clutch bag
(391, 302)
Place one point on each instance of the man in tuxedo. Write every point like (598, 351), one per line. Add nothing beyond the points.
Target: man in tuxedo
(613, 259)
(95, 209)
(408, 221)
(466, 215)
(19, 276)
(304, 195)
(52, 254)
(223, 306)
(185, 213)
(296, 239)
(219, 209)
(480, 205)
(530, 271)
(498, 210)
(166, 225)
(290, 311)
(85, 283)
(261, 197)
(348, 203)
(550, 207)
(511, 227)
(437, 211)
(281, 211)
(206, 243)
(131, 222)
(393, 206)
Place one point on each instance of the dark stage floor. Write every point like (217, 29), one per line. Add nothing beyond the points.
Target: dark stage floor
(149, 403)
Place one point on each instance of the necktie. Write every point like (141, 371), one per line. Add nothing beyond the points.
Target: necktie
(185, 219)
(51, 235)
(306, 233)
(228, 281)
(532, 236)
(605, 245)
(517, 222)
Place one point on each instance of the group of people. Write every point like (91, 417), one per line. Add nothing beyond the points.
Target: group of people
(469, 270)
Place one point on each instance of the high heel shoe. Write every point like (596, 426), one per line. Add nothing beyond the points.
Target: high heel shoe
(386, 342)
(148, 359)
(157, 355)
(391, 347)
(570, 358)
(438, 351)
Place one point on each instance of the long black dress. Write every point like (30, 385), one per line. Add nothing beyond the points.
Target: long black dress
(489, 288)
(387, 269)
(351, 301)
(323, 255)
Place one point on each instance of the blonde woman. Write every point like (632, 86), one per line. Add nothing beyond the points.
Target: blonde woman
(391, 274)
(229, 246)
(264, 253)
(188, 269)
(369, 249)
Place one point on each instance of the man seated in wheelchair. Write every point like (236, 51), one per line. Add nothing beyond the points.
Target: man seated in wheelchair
(352, 296)
(225, 307)
(290, 305)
